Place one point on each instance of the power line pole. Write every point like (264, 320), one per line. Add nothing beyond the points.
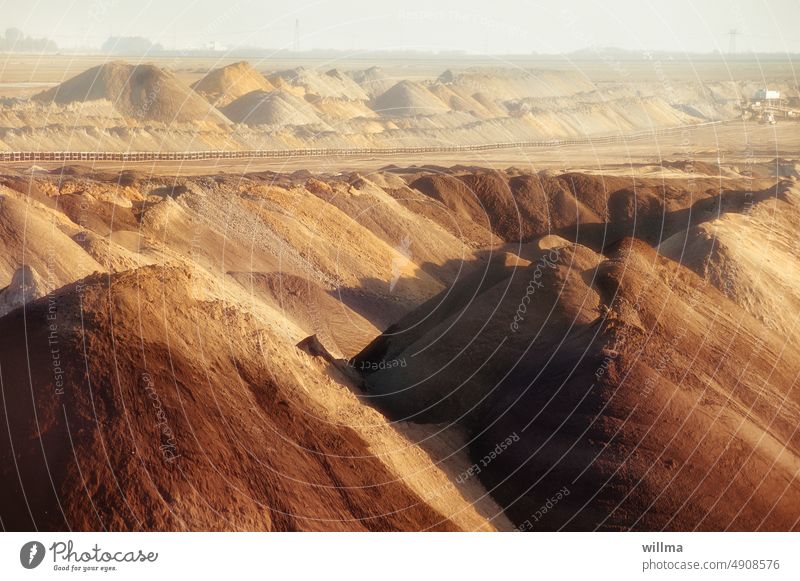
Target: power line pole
(296, 44)
(732, 34)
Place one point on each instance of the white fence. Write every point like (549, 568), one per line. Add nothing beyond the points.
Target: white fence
(139, 156)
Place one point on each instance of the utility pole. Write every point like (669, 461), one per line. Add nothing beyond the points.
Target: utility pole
(296, 44)
(732, 34)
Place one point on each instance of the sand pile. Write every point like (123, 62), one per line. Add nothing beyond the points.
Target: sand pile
(521, 207)
(750, 256)
(352, 240)
(264, 229)
(422, 248)
(191, 312)
(34, 236)
(470, 232)
(332, 83)
(594, 209)
(373, 80)
(458, 99)
(32, 114)
(335, 110)
(256, 441)
(225, 84)
(518, 83)
(650, 389)
(456, 196)
(112, 253)
(647, 390)
(408, 98)
(139, 92)
(121, 107)
(278, 108)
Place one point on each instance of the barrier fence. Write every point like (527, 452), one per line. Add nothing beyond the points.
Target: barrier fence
(139, 156)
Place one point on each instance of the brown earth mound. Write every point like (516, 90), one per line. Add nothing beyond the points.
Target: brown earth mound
(750, 255)
(271, 108)
(595, 210)
(408, 98)
(329, 84)
(627, 386)
(139, 92)
(167, 391)
(373, 80)
(162, 412)
(225, 84)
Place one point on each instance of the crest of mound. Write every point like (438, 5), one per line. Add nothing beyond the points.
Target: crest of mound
(198, 418)
(408, 98)
(225, 84)
(113, 256)
(279, 108)
(328, 84)
(514, 208)
(138, 92)
(744, 256)
(373, 80)
(594, 210)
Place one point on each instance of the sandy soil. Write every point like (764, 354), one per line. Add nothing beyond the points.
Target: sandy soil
(121, 106)
(596, 336)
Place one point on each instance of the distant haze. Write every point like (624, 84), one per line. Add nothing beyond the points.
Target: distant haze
(472, 26)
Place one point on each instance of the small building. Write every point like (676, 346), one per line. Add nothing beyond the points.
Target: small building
(767, 95)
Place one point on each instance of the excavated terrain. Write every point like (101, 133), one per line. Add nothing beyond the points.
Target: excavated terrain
(417, 348)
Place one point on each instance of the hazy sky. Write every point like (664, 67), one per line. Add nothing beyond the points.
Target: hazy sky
(495, 26)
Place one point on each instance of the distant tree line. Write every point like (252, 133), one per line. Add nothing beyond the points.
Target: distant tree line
(15, 40)
(130, 45)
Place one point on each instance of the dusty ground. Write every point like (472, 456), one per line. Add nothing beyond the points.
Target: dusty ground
(734, 143)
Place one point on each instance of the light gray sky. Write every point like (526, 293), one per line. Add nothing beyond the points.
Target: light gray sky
(475, 26)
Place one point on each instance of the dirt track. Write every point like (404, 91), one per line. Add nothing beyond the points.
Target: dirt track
(735, 142)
